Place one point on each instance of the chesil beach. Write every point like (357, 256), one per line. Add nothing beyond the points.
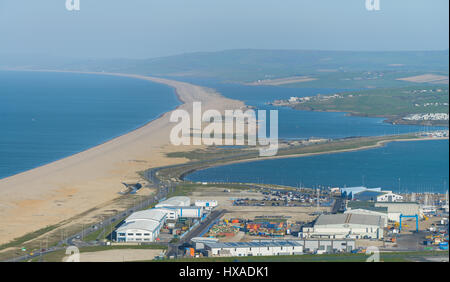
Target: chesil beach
(83, 187)
(60, 190)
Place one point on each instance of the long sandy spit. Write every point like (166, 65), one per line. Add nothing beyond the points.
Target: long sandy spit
(65, 188)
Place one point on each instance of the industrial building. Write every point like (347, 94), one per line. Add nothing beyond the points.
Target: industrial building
(179, 201)
(145, 226)
(350, 192)
(324, 245)
(351, 226)
(382, 212)
(377, 196)
(369, 194)
(328, 246)
(267, 248)
(389, 197)
(207, 204)
(175, 212)
(395, 209)
(142, 226)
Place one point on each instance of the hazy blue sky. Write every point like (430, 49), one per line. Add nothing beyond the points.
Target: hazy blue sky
(151, 28)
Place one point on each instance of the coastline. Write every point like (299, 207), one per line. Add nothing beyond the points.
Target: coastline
(395, 120)
(59, 190)
(378, 144)
(101, 143)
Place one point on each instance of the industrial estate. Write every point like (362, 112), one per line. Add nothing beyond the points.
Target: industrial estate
(134, 132)
(339, 220)
(228, 221)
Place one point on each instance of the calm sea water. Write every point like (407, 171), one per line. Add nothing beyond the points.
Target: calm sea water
(420, 166)
(48, 116)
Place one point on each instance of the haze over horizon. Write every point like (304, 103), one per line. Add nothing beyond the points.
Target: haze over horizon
(155, 28)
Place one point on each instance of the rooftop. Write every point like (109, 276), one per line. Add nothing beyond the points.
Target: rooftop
(148, 225)
(175, 201)
(366, 206)
(368, 195)
(151, 214)
(362, 219)
(252, 244)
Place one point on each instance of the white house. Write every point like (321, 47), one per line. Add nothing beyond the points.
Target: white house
(390, 197)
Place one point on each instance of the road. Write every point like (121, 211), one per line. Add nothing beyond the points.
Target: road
(173, 249)
(76, 239)
(339, 205)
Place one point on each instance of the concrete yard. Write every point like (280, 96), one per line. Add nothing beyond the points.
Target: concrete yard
(304, 214)
(119, 255)
(225, 200)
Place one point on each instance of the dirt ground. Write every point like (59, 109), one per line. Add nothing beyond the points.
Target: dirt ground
(364, 243)
(119, 255)
(293, 214)
(225, 200)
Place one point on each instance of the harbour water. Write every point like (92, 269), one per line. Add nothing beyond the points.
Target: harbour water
(400, 166)
(414, 166)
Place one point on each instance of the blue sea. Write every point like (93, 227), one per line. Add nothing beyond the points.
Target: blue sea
(418, 166)
(48, 116)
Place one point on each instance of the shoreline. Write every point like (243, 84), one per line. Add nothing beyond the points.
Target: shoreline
(378, 144)
(390, 119)
(59, 190)
(106, 141)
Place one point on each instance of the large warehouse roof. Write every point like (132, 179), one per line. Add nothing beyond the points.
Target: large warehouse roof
(362, 219)
(252, 244)
(152, 214)
(179, 201)
(352, 191)
(366, 205)
(148, 225)
(368, 195)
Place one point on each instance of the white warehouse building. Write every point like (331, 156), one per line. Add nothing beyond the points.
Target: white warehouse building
(208, 204)
(179, 201)
(270, 248)
(395, 209)
(390, 197)
(142, 226)
(384, 215)
(186, 212)
(351, 226)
